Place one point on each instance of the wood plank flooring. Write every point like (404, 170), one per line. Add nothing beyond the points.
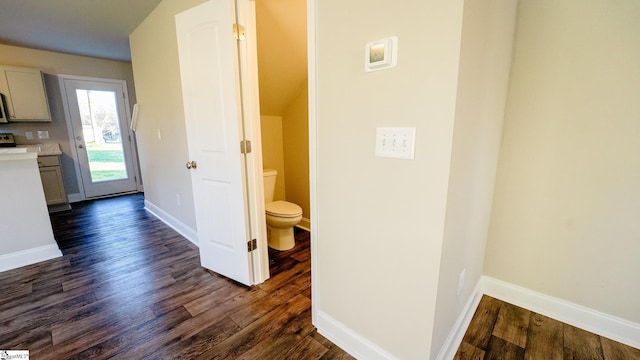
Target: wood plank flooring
(130, 287)
(500, 330)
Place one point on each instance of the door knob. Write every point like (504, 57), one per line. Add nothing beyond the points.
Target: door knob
(80, 146)
(191, 165)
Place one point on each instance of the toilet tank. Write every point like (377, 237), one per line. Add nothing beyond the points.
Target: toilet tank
(269, 184)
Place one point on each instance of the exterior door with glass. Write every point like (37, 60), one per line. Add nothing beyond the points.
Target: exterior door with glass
(101, 136)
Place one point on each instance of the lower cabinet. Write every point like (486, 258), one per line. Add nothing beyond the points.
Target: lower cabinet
(51, 175)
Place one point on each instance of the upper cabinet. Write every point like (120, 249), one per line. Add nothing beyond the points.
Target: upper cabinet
(24, 93)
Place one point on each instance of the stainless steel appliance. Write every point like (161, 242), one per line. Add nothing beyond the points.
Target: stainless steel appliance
(4, 112)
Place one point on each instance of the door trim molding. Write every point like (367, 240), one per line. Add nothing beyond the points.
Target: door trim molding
(256, 210)
(312, 77)
(67, 117)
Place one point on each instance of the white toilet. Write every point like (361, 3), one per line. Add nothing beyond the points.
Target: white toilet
(282, 216)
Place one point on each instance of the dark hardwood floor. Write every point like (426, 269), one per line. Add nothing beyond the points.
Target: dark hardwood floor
(130, 287)
(500, 330)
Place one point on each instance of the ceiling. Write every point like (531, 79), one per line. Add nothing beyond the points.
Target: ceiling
(97, 28)
(101, 28)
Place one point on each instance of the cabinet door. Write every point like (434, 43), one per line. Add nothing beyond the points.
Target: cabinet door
(52, 184)
(25, 93)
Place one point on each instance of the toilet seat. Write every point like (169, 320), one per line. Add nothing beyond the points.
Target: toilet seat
(283, 209)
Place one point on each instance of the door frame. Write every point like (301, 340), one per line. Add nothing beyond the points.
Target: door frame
(259, 261)
(80, 196)
(312, 78)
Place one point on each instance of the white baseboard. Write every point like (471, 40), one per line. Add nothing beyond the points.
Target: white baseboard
(617, 329)
(305, 224)
(454, 339)
(349, 340)
(172, 222)
(612, 327)
(30, 256)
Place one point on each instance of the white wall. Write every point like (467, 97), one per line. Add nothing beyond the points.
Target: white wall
(26, 234)
(161, 133)
(381, 221)
(565, 217)
(487, 38)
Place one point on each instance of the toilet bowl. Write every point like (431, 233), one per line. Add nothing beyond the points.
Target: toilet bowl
(281, 216)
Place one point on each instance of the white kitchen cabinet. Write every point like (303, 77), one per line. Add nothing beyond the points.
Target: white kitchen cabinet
(25, 94)
(51, 176)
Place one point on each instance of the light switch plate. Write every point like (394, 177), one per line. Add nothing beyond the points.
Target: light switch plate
(43, 134)
(396, 142)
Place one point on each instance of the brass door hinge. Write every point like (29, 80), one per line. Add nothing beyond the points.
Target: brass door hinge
(252, 245)
(238, 32)
(245, 146)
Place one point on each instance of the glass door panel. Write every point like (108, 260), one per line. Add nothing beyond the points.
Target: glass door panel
(102, 135)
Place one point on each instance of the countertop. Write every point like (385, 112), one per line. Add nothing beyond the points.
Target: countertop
(12, 154)
(46, 149)
(12, 150)
(21, 152)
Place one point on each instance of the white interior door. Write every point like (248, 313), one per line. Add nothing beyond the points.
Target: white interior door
(101, 135)
(212, 106)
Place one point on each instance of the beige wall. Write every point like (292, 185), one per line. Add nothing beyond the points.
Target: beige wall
(154, 52)
(273, 151)
(565, 216)
(381, 220)
(282, 52)
(52, 64)
(487, 38)
(295, 129)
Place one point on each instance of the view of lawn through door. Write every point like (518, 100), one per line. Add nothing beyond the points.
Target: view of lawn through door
(101, 130)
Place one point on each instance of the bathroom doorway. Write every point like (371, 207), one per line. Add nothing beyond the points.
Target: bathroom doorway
(282, 67)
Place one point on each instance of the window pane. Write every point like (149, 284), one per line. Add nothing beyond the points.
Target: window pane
(101, 128)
